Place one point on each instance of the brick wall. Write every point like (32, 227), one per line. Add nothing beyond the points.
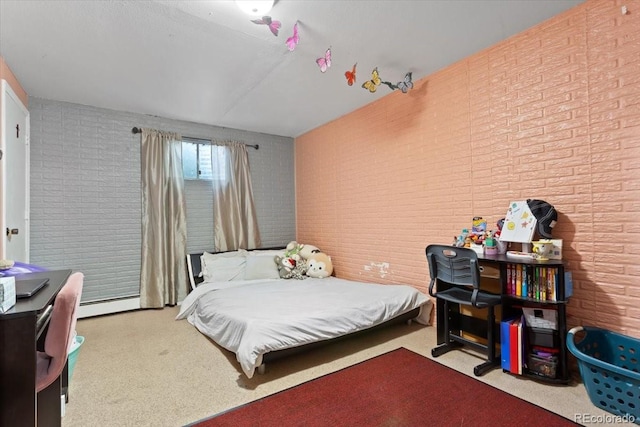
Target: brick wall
(552, 113)
(86, 200)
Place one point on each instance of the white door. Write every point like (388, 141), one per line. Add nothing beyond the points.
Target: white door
(14, 173)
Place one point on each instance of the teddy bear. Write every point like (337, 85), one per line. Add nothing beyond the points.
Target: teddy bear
(290, 268)
(319, 265)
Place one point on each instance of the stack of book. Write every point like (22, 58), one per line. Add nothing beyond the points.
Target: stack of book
(512, 348)
(537, 283)
(526, 349)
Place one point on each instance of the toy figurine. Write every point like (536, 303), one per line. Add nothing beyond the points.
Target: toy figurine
(460, 240)
(479, 226)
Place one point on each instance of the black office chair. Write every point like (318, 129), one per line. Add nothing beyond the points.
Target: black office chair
(456, 274)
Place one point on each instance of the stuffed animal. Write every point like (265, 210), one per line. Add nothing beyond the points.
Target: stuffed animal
(293, 250)
(319, 265)
(307, 251)
(289, 268)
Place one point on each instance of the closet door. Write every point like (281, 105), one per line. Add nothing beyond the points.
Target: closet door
(14, 177)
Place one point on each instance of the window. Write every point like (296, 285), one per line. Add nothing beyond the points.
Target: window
(197, 160)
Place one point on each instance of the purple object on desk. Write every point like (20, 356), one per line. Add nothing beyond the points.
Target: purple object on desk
(21, 268)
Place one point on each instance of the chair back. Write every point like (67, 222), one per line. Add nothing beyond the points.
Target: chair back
(453, 265)
(61, 330)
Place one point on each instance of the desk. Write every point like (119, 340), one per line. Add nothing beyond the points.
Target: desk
(494, 279)
(20, 328)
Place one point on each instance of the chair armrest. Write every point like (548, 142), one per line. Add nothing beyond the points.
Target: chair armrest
(431, 286)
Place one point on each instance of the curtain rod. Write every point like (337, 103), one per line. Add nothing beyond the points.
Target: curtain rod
(139, 130)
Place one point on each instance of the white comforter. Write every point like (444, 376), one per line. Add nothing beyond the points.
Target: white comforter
(254, 317)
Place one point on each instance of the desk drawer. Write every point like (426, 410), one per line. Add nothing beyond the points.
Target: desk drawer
(490, 270)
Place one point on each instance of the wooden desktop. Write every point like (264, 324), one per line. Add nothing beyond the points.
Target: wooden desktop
(20, 328)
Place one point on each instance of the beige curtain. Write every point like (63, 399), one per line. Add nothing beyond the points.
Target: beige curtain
(234, 217)
(164, 226)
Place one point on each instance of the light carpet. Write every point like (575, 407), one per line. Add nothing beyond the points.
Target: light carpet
(144, 368)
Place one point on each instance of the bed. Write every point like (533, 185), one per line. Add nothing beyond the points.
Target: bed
(239, 301)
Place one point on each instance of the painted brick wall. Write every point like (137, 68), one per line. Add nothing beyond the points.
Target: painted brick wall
(552, 113)
(85, 192)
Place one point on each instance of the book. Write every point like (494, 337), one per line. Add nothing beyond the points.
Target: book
(521, 349)
(568, 285)
(512, 282)
(505, 345)
(514, 345)
(519, 223)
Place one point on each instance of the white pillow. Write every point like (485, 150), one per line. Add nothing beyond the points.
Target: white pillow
(223, 267)
(272, 252)
(261, 266)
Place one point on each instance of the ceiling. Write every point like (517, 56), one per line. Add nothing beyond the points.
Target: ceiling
(206, 62)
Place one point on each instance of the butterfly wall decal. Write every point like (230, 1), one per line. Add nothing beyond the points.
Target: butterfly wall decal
(324, 62)
(406, 84)
(351, 75)
(391, 85)
(372, 85)
(274, 26)
(293, 41)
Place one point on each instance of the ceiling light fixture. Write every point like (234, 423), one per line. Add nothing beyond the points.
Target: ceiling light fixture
(255, 7)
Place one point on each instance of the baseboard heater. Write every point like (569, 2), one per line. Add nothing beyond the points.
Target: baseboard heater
(99, 308)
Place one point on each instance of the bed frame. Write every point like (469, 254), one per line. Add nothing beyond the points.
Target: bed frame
(194, 268)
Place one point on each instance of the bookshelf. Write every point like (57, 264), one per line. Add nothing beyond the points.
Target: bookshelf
(545, 336)
(535, 295)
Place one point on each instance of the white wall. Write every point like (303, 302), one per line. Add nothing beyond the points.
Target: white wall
(85, 192)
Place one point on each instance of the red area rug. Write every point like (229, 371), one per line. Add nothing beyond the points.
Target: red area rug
(399, 388)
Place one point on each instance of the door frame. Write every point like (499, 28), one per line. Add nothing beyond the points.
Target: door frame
(6, 90)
